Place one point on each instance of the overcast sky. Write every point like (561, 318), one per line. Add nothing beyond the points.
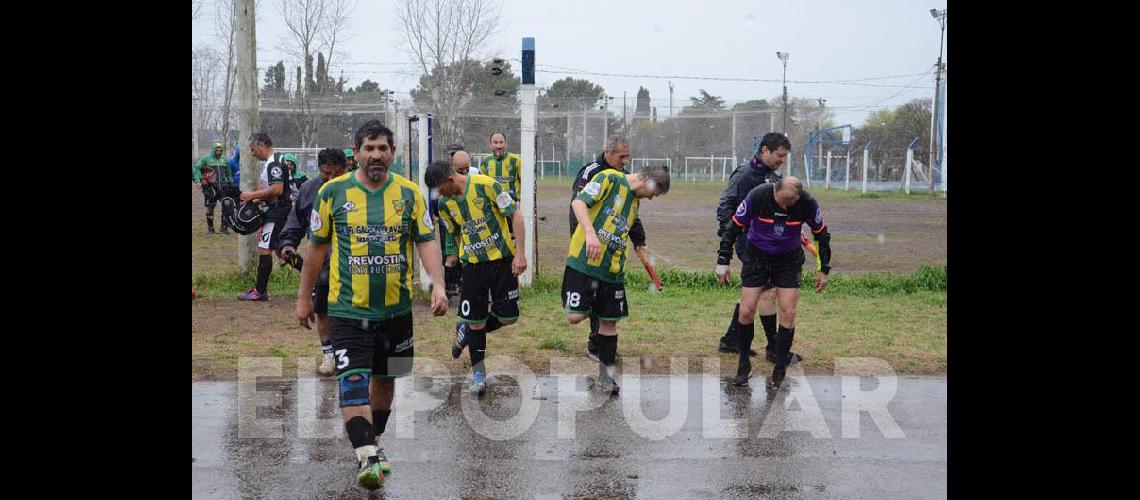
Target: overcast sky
(827, 40)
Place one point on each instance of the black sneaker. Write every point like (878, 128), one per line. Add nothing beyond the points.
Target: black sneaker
(592, 351)
(778, 374)
(460, 340)
(793, 358)
(727, 346)
(607, 379)
(743, 372)
(211, 230)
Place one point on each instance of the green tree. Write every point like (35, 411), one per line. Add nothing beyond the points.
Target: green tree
(275, 79)
(572, 94)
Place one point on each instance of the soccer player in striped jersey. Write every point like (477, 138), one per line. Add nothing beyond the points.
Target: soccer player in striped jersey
(504, 167)
(614, 156)
(370, 219)
(594, 280)
(475, 211)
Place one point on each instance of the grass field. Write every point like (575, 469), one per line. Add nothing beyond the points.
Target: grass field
(882, 302)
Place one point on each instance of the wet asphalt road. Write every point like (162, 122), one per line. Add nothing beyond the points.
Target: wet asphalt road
(283, 438)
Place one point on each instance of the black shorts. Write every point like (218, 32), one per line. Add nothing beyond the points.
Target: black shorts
(385, 347)
(211, 193)
(488, 279)
(767, 271)
(582, 294)
(321, 294)
(268, 240)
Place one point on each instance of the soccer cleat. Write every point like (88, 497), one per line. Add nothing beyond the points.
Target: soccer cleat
(778, 374)
(460, 340)
(730, 345)
(743, 372)
(253, 295)
(370, 475)
(478, 383)
(607, 379)
(385, 464)
(211, 230)
(328, 365)
(793, 358)
(592, 352)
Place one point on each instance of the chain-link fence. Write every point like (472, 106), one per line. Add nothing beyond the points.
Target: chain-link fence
(697, 145)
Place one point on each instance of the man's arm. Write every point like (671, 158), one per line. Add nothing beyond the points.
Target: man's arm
(579, 181)
(294, 228)
(822, 237)
(729, 200)
(637, 233)
(430, 257)
(582, 215)
(198, 170)
(518, 228)
(737, 224)
(303, 311)
(267, 193)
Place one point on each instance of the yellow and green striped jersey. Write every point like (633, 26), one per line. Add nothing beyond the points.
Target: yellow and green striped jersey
(481, 216)
(507, 172)
(372, 236)
(612, 209)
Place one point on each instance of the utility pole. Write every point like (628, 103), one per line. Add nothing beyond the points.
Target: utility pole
(940, 16)
(819, 126)
(585, 132)
(624, 119)
(194, 123)
(605, 119)
(733, 140)
(670, 100)
(784, 59)
(248, 119)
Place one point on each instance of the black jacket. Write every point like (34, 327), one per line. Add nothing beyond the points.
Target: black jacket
(297, 225)
(746, 177)
(636, 231)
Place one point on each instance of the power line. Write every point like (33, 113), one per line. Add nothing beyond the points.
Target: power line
(562, 70)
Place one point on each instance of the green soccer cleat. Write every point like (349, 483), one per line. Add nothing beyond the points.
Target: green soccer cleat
(370, 476)
(385, 464)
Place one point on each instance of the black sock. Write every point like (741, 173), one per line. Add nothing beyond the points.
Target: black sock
(784, 337)
(734, 325)
(326, 347)
(380, 421)
(210, 221)
(477, 346)
(595, 324)
(607, 349)
(744, 335)
(359, 432)
(769, 323)
(264, 267)
(492, 324)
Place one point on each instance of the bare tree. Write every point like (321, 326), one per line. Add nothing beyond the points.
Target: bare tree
(206, 65)
(224, 20)
(443, 37)
(312, 27)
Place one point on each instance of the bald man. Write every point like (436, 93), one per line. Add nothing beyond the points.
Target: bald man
(461, 162)
(773, 217)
